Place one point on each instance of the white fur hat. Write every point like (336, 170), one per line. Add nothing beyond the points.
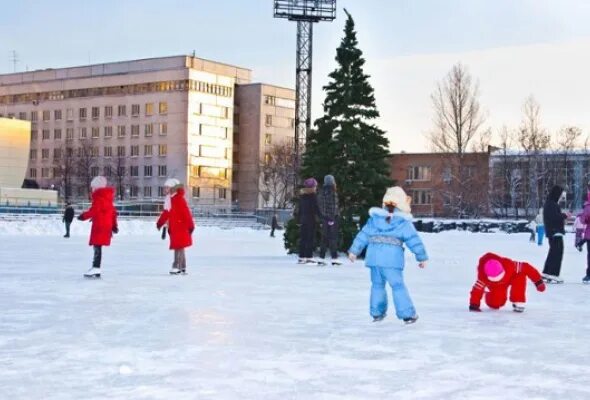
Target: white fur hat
(397, 197)
(98, 182)
(171, 182)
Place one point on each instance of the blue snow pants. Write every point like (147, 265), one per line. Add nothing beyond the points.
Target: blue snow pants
(540, 234)
(404, 308)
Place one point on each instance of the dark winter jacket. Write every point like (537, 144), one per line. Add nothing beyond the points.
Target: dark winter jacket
(553, 217)
(308, 206)
(328, 203)
(103, 214)
(274, 222)
(68, 214)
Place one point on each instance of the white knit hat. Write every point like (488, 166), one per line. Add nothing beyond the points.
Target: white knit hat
(98, 182)
(171, 182)
(398, 198)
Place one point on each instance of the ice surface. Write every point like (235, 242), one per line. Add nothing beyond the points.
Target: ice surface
(248, 323)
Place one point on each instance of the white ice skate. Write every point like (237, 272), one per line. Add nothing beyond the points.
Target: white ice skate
(552, 279)
(518, 307)
(175, 271)
(92, 273)
(336, 262)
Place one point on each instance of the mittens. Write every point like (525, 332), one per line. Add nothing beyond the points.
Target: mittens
(474, 308)
(79, 217)
(115, 229)
(540, 285)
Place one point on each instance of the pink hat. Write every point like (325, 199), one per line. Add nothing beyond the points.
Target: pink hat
(494, 270)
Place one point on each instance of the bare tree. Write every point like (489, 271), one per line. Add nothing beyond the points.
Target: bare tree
(120, 173)
(505, 176)
(86, 158)
(65, 168)
(276, 179)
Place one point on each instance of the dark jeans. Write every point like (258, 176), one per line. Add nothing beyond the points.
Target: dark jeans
(329, 239)
(554, 257)
(272, 232)
(68, 228)
(306, 239)
(587, 258)
(97, 257)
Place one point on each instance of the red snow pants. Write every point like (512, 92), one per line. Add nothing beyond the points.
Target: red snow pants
(497, 295)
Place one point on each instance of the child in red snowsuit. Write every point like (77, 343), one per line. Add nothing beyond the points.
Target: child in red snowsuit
(180, 224)
(103, 214)
(495, 275)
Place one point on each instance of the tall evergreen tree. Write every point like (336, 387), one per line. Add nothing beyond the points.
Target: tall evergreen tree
(345, 142)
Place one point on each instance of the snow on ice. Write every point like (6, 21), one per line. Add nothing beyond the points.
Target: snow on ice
(248, 323)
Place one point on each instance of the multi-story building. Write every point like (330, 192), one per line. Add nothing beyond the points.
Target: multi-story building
(265, 120)
(441, 184)
(137, 122)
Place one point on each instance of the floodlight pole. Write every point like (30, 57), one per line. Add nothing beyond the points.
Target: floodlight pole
(302, 88)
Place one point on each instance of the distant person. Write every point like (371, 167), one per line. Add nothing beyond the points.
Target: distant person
(328, 202)
(386, 233)
(554, 220)
(103, 214)
(274, 224)
(496, 275)
(68, 218)
(307, 214)
(532, 227)
(584, 236)
(540, 227)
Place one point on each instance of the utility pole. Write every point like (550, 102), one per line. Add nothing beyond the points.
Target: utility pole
(14, 59)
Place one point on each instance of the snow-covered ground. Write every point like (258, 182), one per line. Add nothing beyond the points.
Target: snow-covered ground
(247, 323)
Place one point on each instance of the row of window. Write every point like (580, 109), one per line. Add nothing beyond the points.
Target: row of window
(279, 102)
(83, 132)
(120, 151)
(120, 90)
(82, 114)
(424, 173)
(108, 171)
(268, 121)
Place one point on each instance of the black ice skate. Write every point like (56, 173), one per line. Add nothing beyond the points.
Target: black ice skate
(379, 318)
(336, 263)
(412, 320)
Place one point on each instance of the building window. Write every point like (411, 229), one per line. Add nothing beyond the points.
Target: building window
(69, 151)
(46, 115)
(95, 112)
(45, 134)
(107, 170)
(70, 134)
(33, 154)
(419, 173)
(447, 175)
(56, 154)
(33, 172)
(135, 151)
(82, 134)
(147, 171)
(44, 154)
(108, 151)
(134, 131)
(149, 130)
(33, 134)
(147, 191)
(70, 114)
(222, 193)
(94, 152)
(121, 131)
(163, 129)
(161, 192)
(267, 158)
(57, 134)
(95, 132)
(163, 107)
(108, 112)
(135, 110)
(44, 172)
(134, 170)
(133, 191)
(120, 151)
(292, 120)
(82, 114)
(196, 192)
(33, 116)
(94, 171)
(270, 100)
(149, 109)
(108, 132)
(162, 170)
(122, 111)
(421, 197)
(268, 139)
(57, 115)
(268, 120)
(162, 150)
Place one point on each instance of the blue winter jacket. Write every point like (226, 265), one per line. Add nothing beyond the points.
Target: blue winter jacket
(386, 241)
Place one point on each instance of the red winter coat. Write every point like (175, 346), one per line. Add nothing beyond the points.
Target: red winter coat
(103, 215)
(180, 221)
(515, 274)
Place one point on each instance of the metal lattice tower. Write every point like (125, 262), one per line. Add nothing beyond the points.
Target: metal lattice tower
(305, 13)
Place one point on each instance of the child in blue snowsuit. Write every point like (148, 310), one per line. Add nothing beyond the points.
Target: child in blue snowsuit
(385, 234)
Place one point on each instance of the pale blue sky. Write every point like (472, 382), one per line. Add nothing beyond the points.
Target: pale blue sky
(59, 33)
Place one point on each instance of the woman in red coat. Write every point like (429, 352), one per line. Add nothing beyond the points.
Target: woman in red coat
(103, 214)
(495, 275)
(180, 224)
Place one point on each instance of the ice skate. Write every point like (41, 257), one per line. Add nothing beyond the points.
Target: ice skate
(379, 318)
(336, 263)
(92, 273)
(175, 271)
(552, 279)
(586, 279)
(321, 262)
(517, 307)
(411, 320)
(302, 261)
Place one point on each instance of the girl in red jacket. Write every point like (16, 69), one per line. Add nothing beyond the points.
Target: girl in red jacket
(495, 275)
(103, 214)
(180, 224)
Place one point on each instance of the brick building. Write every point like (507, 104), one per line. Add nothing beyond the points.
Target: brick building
(442, 185)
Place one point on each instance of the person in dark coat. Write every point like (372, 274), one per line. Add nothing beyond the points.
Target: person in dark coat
(68, 218)
(308, 212)
(554, 220)
(274, 224)
(328, 203)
